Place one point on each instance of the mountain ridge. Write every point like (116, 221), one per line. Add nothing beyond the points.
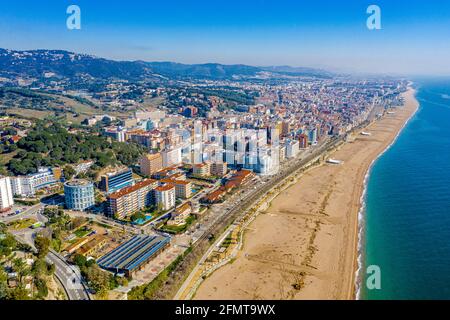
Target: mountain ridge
(42, 63)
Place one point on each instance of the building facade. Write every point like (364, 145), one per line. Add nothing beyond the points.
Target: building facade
(114, 181)
(150, 164)
(219, 169)
(171, 157)
(79, 195)
(202, 169)
(28, 185)
(165, 196)
(6, 194)
(131, 199)
(183, 188)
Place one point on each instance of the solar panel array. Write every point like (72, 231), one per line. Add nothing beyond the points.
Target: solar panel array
(133, 253)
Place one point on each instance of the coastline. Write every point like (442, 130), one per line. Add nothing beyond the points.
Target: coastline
(311, 241)
(362, 210)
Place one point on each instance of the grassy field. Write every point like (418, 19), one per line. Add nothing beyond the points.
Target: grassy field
(75, 110)
(22, 223)
(153, 102)
(30, 113)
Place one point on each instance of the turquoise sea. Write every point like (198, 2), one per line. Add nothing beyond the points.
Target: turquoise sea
(407, 216)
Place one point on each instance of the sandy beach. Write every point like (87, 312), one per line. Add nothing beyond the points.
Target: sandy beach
(304, 246)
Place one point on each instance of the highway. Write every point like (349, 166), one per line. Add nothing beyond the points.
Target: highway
(69, 276)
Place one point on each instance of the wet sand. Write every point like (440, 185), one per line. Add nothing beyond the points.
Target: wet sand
(304, 246)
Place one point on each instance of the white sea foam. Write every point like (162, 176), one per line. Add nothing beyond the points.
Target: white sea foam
(359, 277)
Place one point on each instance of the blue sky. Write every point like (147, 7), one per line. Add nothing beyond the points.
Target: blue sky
(415, 35)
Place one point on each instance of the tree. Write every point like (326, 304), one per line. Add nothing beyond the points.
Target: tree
(69, 172)
(42, 245)
(98, 280)
(39, 268)
(3, 284)
(80, 260)
(77, 222)
(137, 216)
(7, 245)
(18, 293)
(42, 289)
(21, 268)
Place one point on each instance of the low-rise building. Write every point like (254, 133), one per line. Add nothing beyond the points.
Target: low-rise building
(133, 254)
(202, 169)
(180, 215)
(29, 184)
(215, 196)
(93, 246)
(238, 179)
(83, 166)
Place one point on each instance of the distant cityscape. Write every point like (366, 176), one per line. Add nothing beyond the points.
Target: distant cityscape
(121, 176)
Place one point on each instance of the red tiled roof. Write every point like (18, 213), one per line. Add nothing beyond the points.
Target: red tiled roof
(131, 189)
(166, 187)
(172, 181)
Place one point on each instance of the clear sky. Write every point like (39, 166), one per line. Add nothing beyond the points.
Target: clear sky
(414, 39)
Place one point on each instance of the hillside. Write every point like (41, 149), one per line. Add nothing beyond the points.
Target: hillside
(46, 65)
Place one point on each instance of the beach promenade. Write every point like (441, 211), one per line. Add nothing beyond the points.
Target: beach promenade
(304, 246)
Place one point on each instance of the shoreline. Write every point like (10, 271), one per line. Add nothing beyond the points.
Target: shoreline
(362, 212)
(313, 238)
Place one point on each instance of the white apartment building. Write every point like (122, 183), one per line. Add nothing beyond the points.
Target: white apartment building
(28, 185)
(6, 194)
(292, 149)
(165, 196)
(171, 157)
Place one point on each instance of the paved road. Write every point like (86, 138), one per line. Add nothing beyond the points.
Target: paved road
(24, 214)
(69, 276)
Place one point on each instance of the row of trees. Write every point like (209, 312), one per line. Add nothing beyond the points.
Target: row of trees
(98, 280)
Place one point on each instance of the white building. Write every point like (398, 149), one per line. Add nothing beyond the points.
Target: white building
(28, 185)
(165, 196)
(6, 194)
(171, 157)
(292, 149)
